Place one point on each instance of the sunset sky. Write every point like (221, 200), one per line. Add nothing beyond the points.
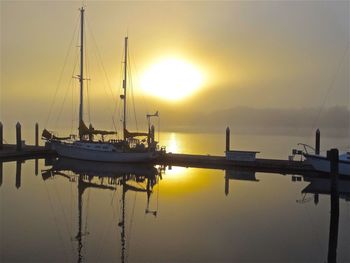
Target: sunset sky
(273, 54)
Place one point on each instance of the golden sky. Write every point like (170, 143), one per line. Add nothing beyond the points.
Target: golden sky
(261, 54)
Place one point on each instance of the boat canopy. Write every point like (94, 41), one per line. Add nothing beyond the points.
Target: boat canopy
(49, 136)
(84, 130)
(134, 134)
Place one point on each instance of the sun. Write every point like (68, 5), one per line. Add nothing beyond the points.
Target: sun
(171, 79)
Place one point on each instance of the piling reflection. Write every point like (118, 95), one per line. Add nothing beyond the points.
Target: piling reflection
(245, 175)
(1, 176)
(337, 188)
(18, 174)
(106, 176)
(143, 178)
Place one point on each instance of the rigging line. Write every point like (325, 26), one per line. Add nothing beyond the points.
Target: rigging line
(333, 80)
(75, 108)
(65, 95)
(62, 70)
(72, 110)
(100, 63)
(63, 211)
(130, 227)
(87, 75)
(113, 219)
(138, 81)
(315, 233)
(88, 101)
(71, 209)
(55, 220)
(102, 237)
(87, 209)
(158, 128)
(64, 100)
(132, 94)
(158, 195)
(120, 109)
(118, 106)
(86, 219)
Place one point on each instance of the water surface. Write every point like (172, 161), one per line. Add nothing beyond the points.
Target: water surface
(71, 216)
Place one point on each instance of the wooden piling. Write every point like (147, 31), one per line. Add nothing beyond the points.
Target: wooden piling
(317, 142)
(333, 156)
(227, 139)
(1, 136)
(18, 174)
(36, 134)
(18, 137)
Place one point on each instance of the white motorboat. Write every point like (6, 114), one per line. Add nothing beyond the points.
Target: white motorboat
(322, 164)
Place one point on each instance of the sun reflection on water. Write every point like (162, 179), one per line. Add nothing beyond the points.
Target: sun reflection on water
(175, 172)
(173, 144)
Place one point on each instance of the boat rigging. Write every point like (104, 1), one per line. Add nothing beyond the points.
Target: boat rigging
(130, 149)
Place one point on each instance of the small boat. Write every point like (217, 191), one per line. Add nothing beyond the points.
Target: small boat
(131, 148)
(322, 164)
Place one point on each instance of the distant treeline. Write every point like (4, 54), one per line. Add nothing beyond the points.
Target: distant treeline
(334, 121)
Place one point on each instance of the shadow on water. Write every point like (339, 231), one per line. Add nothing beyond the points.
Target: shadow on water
(130, 177)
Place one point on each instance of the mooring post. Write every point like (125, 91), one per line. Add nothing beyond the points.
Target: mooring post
(317, 142)
(1, 136)
(18, 137)
(227, 139)
(18, 174)
(333, 156)
(36, 134)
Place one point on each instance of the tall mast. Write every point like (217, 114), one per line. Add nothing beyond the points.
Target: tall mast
(81, 76)
(78, 237)
(124, 85)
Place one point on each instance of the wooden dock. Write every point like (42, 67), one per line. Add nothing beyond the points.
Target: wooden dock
(220, 162)
(9, 153)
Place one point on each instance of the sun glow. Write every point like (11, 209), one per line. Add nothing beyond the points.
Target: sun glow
(171, 79)
(176, 172)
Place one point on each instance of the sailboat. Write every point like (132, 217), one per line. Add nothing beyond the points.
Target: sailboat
(128, 149)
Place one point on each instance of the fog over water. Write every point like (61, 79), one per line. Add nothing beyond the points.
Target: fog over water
(288, 60)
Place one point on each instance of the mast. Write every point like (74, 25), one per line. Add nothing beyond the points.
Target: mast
(124, 85)
(122, 234)
(78, 237)
(81, 76)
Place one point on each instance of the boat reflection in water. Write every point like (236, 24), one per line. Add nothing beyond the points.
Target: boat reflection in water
(106, 176)
(337, 188)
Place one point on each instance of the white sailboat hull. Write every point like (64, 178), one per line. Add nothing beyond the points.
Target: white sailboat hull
(322, 164)
(71, 150)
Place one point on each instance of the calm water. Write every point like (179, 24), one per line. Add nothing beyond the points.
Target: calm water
(100, 213)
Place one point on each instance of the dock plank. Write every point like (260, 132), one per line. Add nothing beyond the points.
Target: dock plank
(9, 152)
(220, 162)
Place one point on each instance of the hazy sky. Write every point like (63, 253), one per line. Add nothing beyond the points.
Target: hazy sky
(273, 54)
